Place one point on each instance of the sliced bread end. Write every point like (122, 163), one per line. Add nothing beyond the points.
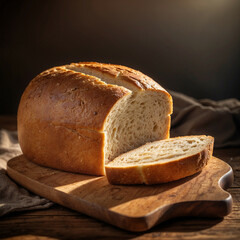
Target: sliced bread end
(120, 171)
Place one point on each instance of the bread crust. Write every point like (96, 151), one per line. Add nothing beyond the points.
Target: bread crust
(62, 113)
(160, 172)
(134, 77)
(61, 117)
(129, 75)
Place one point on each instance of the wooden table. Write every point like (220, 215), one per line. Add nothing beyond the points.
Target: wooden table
(61, 223)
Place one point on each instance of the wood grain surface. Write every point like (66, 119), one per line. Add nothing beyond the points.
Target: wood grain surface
(134, 208)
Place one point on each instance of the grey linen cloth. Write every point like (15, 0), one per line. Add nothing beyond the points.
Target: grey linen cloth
(218, 119)
(12, 196)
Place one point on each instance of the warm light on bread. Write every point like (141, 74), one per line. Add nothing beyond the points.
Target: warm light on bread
(79, 117)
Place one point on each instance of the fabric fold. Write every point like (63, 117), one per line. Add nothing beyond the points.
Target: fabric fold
(12, 196)
(220, 119)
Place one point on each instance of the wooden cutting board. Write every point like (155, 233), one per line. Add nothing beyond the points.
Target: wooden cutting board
(134, 208)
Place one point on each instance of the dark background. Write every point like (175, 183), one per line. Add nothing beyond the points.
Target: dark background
(191, 46)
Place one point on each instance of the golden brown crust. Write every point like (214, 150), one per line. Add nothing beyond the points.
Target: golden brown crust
(159, 172)
(127, 74)
(62, 113)
(68, 98)
(79, 150)
(61, 117)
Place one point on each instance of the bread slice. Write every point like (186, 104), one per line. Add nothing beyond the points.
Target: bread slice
(161, 161)
(81, 116)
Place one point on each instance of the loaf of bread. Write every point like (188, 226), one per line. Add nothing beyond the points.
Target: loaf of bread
(161, 161)
(79, 117)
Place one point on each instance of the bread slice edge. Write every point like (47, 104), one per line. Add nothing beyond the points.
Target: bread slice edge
(155, 173)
